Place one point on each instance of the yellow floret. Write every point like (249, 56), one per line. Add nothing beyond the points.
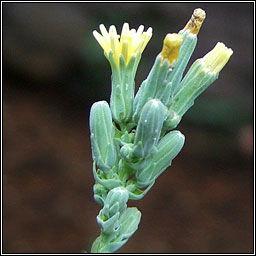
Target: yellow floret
(217, 58)
(131, 42)
(171, 47)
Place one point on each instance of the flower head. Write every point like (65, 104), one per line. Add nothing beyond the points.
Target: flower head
(171, 47)
(217, 58)
(196, 21)
(131, 42)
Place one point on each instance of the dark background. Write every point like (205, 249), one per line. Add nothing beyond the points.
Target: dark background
(53, 71)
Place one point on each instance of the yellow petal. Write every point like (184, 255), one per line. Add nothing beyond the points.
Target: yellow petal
(100, 39)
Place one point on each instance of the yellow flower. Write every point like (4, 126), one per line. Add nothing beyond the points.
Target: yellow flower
(216, 59)
(131, 42)
(171, 47)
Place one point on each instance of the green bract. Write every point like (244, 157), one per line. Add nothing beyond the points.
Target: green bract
(133, 141)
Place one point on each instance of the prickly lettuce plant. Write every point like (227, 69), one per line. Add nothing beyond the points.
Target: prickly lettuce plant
(133, 138)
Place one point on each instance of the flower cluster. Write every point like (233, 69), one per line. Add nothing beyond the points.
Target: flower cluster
(133, 138)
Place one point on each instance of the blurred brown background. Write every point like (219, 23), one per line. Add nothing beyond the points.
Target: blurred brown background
(54, 70)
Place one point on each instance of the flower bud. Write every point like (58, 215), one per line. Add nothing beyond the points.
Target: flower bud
(115, 201)
(149, 128)
(200, 76)
(102, 135)
(128, 224)
(167, 149)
